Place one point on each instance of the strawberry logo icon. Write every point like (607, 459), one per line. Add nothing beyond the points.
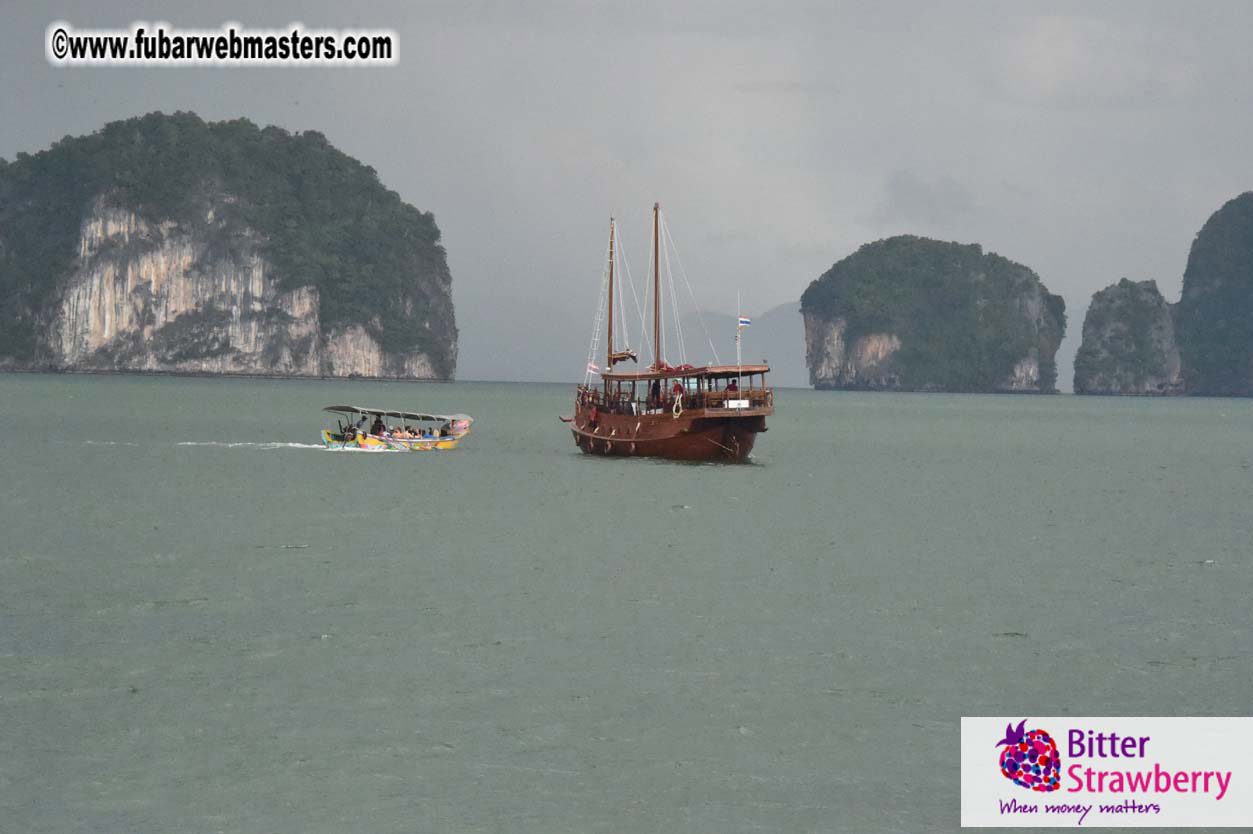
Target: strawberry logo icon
(1030, 758)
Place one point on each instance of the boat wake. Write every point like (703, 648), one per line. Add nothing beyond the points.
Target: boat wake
(249, 445)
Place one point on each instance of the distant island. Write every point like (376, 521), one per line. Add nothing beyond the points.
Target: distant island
(1135, 343)
(169, 244)
(1129, 344)
(914, 314)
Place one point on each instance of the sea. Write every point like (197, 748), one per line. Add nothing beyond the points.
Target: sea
(209, 623)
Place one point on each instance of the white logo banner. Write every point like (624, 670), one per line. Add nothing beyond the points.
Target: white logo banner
(1063, 772)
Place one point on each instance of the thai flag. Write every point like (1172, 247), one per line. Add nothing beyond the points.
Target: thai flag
(745, 321)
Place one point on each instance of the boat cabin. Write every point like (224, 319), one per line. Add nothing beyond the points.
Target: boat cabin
(713, 389)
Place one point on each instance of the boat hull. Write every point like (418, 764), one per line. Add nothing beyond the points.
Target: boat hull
(372, 443)
(690, 437)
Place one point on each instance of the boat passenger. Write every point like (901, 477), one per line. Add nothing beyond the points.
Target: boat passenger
(377, 427)
(733, 386)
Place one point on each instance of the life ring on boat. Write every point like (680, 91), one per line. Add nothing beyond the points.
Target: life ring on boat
(678, 405)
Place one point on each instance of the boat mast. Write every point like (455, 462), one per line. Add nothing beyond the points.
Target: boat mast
(656, 290)
(609, 355)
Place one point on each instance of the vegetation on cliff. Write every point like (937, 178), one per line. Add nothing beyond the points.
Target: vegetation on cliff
(965, 318)
(1128, 343)
(323, 218)
(1215, 314)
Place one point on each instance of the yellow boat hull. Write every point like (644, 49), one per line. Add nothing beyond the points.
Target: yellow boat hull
(373, 443)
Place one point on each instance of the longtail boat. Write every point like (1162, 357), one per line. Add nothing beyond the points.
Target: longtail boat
(383, 430)
(708, 413)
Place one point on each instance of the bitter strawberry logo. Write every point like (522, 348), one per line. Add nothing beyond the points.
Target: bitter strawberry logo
(1030, 758)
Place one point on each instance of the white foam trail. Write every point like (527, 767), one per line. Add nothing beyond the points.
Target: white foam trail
(240, 444)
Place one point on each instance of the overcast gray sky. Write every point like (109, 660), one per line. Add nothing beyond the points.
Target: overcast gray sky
(1088, 141)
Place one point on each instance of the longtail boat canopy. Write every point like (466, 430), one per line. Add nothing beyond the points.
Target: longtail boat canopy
(404, 415)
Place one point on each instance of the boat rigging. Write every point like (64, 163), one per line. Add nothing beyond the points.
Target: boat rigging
(683, 412)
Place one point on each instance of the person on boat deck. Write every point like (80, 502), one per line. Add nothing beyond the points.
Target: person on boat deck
(377, 426)
(654, 393)
(676, 390)
(361, 423)
(733, 386)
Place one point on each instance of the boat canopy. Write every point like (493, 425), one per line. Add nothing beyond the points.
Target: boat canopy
(404, 415)
(717, 371)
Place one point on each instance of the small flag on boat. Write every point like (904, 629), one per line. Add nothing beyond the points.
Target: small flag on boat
(592, 369)
(745, 321)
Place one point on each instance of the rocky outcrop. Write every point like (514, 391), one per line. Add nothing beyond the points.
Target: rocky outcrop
(1214, 317)
(146, 297)
(1129, 345)
(833, 365)
(912, 314)
(168, 244)
(1137, 344)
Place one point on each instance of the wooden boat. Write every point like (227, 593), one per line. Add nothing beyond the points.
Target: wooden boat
(381, 430)
(709, 413)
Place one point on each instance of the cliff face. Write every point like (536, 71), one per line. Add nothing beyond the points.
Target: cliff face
(197, 278)
(157, 298)
(1136, 343)
(1129, 344)
(912, 314)
(1215, 313)
(833, 365)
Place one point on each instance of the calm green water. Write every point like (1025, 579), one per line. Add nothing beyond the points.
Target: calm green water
(204, 629)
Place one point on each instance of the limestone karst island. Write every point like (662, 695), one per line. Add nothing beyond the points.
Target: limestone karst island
(913, 314)
(170, 244)
(1135, 343)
